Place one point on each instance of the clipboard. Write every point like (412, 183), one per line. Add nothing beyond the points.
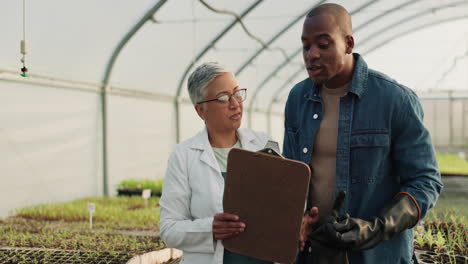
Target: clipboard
(268, 193)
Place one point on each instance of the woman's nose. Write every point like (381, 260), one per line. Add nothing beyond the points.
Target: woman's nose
(233, 103)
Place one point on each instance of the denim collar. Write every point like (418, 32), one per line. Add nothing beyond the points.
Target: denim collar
(358, 85)
(359, 80)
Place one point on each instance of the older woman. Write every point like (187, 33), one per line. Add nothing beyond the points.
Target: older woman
(192, 217)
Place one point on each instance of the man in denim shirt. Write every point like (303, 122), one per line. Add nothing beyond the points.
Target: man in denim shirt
(362, 133)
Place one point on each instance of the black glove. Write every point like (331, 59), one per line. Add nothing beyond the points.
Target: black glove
(349, 233)
(321, 237)
(319, 253)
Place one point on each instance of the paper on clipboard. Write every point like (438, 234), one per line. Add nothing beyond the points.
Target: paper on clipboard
(268, 193)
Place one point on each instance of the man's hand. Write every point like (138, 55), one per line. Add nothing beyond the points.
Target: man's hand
(226, 225)
(349, 233)
(308, 221)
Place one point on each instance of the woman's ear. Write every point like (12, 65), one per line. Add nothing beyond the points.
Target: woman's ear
(349, 39)
(200, 111)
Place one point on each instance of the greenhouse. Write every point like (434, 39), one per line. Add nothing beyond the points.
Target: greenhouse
(94, 99)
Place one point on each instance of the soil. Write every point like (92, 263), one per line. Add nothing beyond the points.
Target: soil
(429, 256)
(36, 255)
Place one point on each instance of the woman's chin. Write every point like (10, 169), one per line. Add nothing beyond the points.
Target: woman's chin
(237, 123)
(233, 126)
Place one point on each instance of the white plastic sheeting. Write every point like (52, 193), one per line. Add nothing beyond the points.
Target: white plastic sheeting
(49, 145)
(138, 144)
(50, 142)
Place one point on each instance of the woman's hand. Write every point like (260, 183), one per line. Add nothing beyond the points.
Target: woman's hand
(226, 225)
(308, 221)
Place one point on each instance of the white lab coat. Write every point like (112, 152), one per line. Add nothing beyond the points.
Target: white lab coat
(193, 193)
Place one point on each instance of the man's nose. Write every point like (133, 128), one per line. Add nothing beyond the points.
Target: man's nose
(312, 53)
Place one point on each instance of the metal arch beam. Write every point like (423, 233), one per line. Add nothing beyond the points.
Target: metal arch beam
(285, 62)
(380, 44)
(273, 39)
(401, 34)
(266, 80)
(199, 55)
(364, 24)
(148, 16)
(383, 43)
(105, 83)
(377, 17)
(288, 81)
(277, 92)
(412, 17)
(406, 32)
(284, 30)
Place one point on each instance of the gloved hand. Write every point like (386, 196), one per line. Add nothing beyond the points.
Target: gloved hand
(321, 238)
(349, 233)
(316, 252)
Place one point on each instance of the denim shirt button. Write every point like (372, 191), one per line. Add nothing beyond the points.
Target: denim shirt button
(305, 150)
(315, 116)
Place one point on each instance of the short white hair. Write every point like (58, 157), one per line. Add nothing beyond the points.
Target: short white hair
(201, 77)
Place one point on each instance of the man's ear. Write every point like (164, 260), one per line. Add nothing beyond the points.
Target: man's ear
(349, 39)
(200, 111)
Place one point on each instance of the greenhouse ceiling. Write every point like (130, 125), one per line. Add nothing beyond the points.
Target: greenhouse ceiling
(147, 48)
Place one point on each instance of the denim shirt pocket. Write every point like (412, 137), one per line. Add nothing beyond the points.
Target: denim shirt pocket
(369, 152)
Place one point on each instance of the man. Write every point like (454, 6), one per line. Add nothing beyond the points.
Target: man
(362, 133)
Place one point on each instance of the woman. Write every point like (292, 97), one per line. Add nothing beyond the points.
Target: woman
(192, 217)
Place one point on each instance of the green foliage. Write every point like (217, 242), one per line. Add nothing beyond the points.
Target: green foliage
(419, 235)
(62, 236)
(128, 212)
(440, 240)
(154, 185)
(121, 226)
(452, 163)
(444, 227)
(450, 208)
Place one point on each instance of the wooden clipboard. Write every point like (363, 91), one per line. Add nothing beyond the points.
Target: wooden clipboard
(268, 193)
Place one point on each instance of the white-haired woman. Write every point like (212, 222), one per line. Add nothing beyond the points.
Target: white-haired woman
(192, 217)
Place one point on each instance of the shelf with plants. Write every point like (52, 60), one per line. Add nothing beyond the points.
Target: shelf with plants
(442, 236)
(60, 233)
(131, 187)
(452, 164)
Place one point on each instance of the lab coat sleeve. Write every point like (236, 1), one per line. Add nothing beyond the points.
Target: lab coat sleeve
(177, 226)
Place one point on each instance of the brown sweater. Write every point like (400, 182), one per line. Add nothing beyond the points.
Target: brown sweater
(323, 160)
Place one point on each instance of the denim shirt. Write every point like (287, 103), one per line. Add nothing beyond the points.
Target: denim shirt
(383, 148)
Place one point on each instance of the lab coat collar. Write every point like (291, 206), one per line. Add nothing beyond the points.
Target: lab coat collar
(201, 142)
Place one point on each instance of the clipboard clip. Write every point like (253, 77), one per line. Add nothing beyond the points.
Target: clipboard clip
(272, 148)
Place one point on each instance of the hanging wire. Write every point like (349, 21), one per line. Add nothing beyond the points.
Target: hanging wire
(24, 44)
(239, 19)
(444, 60)
(24, 19)
(452, 67)
(194, 29)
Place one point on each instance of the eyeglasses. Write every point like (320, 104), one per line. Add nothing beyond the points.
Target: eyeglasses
(240, 95)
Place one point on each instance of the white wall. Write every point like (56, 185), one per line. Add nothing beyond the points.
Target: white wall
(140, 136)
(48, 145)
